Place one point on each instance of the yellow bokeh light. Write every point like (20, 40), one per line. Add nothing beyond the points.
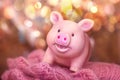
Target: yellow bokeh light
(38, 5)
(45, 11)
(30, 11)
(66, 6)
(36, 33)
(8, 13)
(94, 9)
(53, 2)
(76, 3)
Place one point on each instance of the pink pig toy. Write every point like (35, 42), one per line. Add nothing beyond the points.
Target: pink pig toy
(68, 44)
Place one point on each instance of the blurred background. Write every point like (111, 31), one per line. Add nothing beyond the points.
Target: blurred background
(24, 25)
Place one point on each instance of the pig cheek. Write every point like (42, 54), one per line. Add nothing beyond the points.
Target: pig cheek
(50, 38)
(77, 44)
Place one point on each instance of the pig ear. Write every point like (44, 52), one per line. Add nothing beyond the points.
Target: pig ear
(86, 24)
(55, 17)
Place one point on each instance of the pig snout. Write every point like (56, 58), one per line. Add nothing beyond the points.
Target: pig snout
(62, 39)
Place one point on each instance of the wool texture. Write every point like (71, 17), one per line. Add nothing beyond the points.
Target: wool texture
(31, 68)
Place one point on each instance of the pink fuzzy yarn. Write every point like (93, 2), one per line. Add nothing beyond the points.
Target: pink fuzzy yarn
(31, 68)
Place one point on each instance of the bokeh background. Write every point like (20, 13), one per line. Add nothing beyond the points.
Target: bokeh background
(24, 25)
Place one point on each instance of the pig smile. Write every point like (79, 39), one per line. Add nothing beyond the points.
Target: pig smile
(61, 48)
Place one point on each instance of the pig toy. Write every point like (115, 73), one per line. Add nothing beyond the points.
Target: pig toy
(68, 44)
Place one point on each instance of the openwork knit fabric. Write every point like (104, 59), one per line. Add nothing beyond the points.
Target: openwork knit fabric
(31, 68)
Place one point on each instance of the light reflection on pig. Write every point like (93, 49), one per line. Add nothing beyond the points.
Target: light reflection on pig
(68, 44)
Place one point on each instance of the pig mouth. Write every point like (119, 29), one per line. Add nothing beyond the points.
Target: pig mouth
(62, 48)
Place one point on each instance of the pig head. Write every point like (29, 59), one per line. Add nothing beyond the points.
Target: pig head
(68, 44)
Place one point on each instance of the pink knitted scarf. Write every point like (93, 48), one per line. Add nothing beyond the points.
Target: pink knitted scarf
(31, 68)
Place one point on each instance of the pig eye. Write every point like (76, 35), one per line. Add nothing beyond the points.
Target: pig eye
(58, 30)
(72, 34)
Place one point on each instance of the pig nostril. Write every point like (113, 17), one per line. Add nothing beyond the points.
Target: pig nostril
(65, 39)
(58, 37)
